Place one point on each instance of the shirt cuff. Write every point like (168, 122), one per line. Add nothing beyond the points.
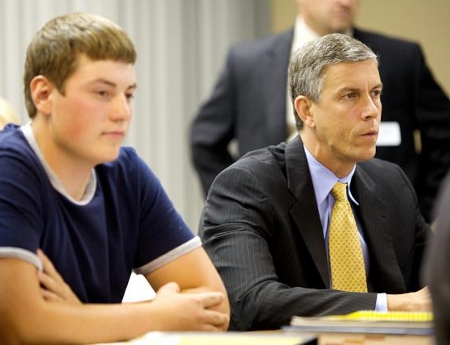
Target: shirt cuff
(381, 304)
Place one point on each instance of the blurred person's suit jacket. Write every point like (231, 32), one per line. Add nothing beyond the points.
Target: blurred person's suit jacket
(437, 267)
(248, 104)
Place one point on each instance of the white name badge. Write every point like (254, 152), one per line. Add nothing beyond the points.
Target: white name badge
(389, 134)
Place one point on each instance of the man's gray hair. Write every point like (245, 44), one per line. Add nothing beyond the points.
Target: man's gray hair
(308, 64)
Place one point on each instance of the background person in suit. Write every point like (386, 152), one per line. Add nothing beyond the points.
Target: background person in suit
(437, 267)
(266, 220)
(249, 104)
(79, 212)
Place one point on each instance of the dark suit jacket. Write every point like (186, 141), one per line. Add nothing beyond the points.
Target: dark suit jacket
(437, 267)
(262, 230)
(248, 104)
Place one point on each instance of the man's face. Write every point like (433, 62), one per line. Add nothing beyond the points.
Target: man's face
(89, 123)
(329, 16)
(346, 120)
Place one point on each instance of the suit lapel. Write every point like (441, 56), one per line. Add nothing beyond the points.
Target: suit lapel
(374, 217)
(304, 212)
(274, 66)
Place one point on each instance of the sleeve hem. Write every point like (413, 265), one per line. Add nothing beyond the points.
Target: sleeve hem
(169, 256)
(21, 254)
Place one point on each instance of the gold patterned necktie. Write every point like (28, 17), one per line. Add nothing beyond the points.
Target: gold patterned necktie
(346, 257)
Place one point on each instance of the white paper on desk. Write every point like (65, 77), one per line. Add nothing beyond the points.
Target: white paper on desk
(222, 338)
(389, 134)
(153, 338)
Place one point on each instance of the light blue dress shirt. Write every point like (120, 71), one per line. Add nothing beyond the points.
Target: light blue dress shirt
(323, 181)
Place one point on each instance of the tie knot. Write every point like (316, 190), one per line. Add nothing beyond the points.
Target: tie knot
(339, 191)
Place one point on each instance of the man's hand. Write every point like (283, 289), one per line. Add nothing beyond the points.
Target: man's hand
(53, 286)
(412, 301)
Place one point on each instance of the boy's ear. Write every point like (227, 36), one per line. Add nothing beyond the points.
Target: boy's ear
(41, 92)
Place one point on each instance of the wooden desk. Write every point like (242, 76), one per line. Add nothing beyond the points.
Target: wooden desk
(277, 338)
(224, 338)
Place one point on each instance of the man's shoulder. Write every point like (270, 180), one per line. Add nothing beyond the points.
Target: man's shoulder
(265, 155)
(262, 44)
(379, 41)
(261, 162)
(264, 169)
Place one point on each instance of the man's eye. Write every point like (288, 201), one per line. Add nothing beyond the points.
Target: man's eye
(376, 93)
(104, 94)
(350, 95)
(129, 96)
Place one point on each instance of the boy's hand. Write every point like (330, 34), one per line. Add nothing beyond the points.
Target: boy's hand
(53, 286)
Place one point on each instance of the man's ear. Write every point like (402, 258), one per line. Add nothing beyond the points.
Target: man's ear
(303, 107)
(41, 89)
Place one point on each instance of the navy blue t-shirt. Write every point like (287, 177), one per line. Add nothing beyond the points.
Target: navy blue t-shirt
(129, 222)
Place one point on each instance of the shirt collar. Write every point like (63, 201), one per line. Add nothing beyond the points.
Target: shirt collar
(324, 179)
(54, 180)
(303, 34)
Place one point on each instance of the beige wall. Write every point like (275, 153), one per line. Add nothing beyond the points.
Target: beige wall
(426, 22)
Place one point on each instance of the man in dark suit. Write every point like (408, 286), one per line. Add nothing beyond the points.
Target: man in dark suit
(266, 220)
(249, 104)
(437, 265)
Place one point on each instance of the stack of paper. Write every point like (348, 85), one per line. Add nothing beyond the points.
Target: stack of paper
(417, 323)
